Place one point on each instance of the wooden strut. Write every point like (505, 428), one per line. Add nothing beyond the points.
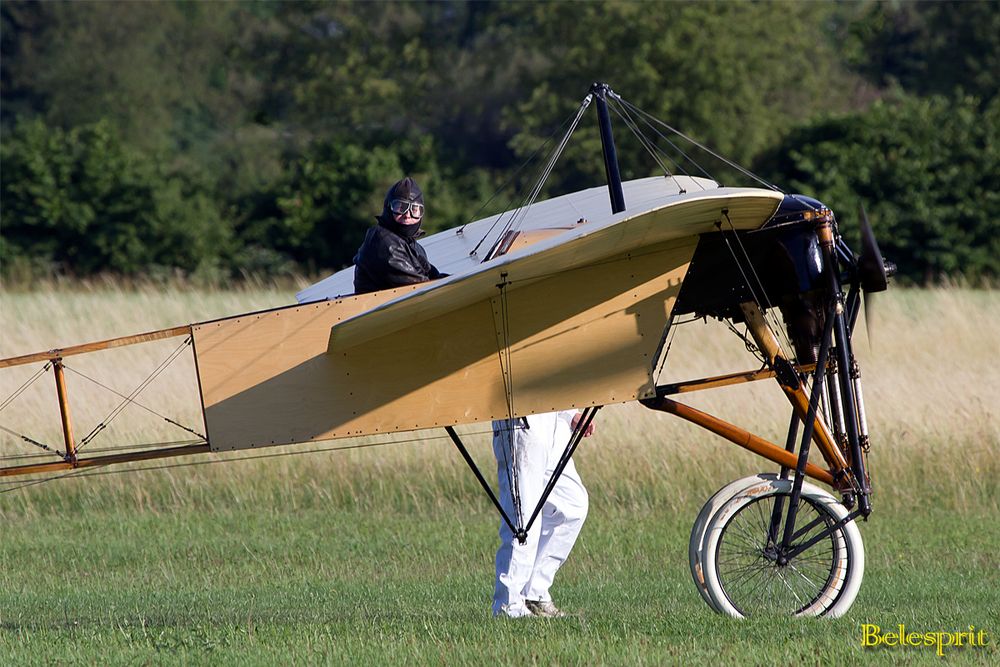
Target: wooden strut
(97, 461)
(795, 392)
(737, 435)
(724, 380)
(67, 423)
(59, 353)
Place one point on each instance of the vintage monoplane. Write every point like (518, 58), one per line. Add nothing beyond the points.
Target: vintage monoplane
(571, 303)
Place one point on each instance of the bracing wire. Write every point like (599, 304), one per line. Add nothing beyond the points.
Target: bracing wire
(516, 489)
(778, 330)
(749, 344)
(734, 165)
(135, 392)
(32, 441)
(746, 280)
(766, 302)
(648, 144)
(10, 399)
(17, 392)
(775, 324)
(135, 402)
(643, 117)
(556, 154)
(727, 161)
(516, 173)
(104, 450)
(509, 455)
(573, 117)
(519, 214)
(667, 344)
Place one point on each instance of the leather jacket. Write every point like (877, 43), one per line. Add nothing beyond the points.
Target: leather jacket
(388, 259)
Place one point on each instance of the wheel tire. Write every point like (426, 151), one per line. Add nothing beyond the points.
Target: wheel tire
(699, 531)
(742, 579)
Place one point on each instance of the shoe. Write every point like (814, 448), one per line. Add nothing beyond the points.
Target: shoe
(544, 608)
(512, 611)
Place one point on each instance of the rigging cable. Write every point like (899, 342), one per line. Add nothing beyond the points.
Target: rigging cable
(32, 441)
(510, 180)
(104, 450)
(650, 145)
(734, 165)
(775, 324)
(519, 214)
(10, 399)
(509, 455)
(749, 344)
(135, 392)
(137, 403)
(666, 345)
(737, 167)
(746, 279)
(643, 117)
(766, 304)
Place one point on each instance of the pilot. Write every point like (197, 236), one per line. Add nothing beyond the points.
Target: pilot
(390, 255)
(527, 450)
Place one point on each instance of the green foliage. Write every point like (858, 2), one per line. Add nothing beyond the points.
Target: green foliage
(83, 201)
(926, 170)
(928, 47)
(161, 73)
(330, 194)
(284, 122)
(734, 75)
(320, 214)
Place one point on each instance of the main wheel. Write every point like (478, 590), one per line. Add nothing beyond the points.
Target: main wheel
(696, 545)
(747, 573)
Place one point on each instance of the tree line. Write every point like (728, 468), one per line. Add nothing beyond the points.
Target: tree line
(214, 140)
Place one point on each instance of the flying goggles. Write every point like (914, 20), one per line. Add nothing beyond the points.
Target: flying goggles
(401, 206)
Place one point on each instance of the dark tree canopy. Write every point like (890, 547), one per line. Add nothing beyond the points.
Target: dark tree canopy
(927, 171)
(220, 139)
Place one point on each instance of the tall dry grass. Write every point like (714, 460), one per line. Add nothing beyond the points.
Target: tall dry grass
(931, 383)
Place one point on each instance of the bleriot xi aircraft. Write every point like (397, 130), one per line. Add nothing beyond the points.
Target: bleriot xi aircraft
(570, 302)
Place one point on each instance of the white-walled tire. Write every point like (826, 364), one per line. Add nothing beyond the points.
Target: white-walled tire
(696, 545)
(742, 575)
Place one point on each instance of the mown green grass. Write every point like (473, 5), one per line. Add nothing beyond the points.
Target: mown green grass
(384, 555)
(266, 585)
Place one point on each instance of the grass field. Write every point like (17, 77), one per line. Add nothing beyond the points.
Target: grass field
(384, 554)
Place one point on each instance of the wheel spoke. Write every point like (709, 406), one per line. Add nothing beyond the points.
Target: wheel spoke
(781, 577)
(747, 566)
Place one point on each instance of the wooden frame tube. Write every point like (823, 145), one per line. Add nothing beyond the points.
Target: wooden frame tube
(737, 435)
(97, 461)
(795, 391)
(67, 423)
(689, 386)
(59, 353)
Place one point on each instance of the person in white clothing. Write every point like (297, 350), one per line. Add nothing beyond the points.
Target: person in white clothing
(524, 572)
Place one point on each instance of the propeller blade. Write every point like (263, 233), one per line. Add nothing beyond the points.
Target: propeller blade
(869, 324)
(871, 266)
(873, 272)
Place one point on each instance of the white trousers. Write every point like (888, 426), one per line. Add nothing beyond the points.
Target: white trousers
(525, 571)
